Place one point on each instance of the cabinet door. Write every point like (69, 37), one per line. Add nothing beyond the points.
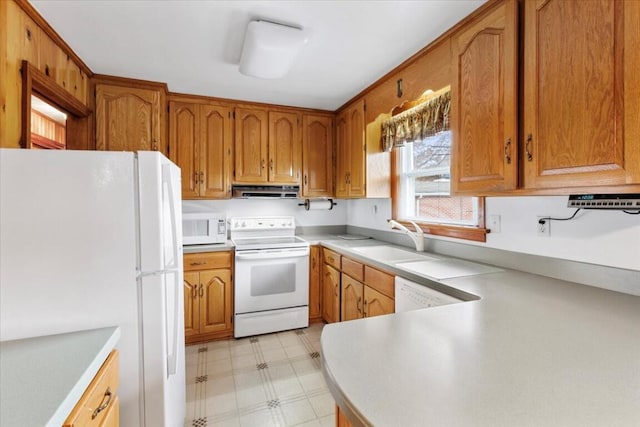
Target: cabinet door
(215, 154)
(284, 148)
(184, 145)
(575, 63)
(191, 304)
(317, 156)
(315, 296)
(251, 146)
(484, 102)
(128, 119)
(357, 158)
(343, 159)
(330, 294)
(376, 304)
(351, 301)
(215, 300)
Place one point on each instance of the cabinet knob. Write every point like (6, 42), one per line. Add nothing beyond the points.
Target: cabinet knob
(201, 290)
(527, 147)
(358, 305)
(155, 145)
(201, 177)
(262, 164)
(271, 164)
(336, 290)
(305, 179)
(364, 311)
(195, 177)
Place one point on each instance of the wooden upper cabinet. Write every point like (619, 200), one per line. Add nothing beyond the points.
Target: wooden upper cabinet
(581, 109)
(130, 118)
(342, 155)
(284, 147)
(251, 145)
(184, 145)
(484, 102)
(215, 153)
(200, 143)
(317, 156)
(350, 152)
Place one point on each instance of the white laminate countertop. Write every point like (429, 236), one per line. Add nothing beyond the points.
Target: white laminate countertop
(530, 351)
(42, 378)
(217, 247)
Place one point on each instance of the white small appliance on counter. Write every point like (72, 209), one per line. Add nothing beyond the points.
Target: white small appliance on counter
(271, 286)
(92, 239)
(204, 228)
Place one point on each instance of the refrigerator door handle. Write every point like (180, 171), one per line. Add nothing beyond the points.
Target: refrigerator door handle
(166, 180)
(172, 357)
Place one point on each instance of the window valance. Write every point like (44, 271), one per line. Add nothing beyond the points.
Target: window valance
(421, 121)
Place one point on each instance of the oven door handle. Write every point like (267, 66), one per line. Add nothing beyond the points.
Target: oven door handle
(272, 254)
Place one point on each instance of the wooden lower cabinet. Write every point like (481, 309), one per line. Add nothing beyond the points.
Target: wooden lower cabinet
(315, 288)
(330, 294)
(376, 303)
(208, 301)
(341, 419)
(352, 298)
(99, 405)
(370, 294)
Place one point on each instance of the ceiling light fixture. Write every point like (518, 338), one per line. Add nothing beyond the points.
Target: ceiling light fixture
(269, 49)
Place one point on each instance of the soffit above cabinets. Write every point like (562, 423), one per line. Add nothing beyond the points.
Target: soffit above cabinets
(195, 46)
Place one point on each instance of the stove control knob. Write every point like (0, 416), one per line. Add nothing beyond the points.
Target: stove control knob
(235, 224)
(244, 224)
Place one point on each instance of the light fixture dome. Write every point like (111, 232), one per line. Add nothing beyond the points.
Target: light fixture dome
(269, 49)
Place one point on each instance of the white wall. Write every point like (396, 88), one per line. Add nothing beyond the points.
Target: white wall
(603, 238)
(261, 207)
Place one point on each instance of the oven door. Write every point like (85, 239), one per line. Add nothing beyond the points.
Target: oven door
(268, 279)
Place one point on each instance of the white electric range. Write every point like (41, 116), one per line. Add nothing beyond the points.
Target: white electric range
(271, 275)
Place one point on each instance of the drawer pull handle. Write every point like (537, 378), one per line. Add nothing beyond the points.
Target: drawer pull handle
(197, 263)
(358, 305)
(102, 407)
(201, 291)
(507, 151)
(527, 147)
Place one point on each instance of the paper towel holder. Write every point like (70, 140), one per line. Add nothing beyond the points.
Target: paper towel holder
(307, 204)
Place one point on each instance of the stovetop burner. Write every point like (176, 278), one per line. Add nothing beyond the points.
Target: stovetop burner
(254, 233)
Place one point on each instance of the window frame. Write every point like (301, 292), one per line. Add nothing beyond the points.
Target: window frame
(474, 233)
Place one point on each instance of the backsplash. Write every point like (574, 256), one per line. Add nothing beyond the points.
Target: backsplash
(263, 207)
(603, 238)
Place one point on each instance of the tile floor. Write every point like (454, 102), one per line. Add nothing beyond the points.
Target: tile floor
(268, 380)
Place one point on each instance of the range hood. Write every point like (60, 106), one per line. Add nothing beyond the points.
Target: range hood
(266, 192)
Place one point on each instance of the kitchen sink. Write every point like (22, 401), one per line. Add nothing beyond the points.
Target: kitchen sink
(390, 254)
(446, 268)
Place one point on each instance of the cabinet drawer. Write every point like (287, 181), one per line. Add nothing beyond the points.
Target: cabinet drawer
(332, 258)
(99, 399)
(207, 260)
(353, 269)
(380, 281)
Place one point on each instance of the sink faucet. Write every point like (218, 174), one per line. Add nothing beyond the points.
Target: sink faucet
(417, 236)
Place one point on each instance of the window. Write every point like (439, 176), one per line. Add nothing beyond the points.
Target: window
(424, 184)
(419, 137)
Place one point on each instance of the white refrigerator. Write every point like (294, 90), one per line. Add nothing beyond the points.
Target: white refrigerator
(91, 239)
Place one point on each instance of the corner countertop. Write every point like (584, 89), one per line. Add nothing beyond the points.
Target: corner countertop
(42, 378)
(528, 350)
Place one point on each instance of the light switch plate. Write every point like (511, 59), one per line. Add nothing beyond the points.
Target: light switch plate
(494, 223)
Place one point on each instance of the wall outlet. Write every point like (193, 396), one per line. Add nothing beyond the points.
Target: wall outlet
(544, 229)
(494, 223)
